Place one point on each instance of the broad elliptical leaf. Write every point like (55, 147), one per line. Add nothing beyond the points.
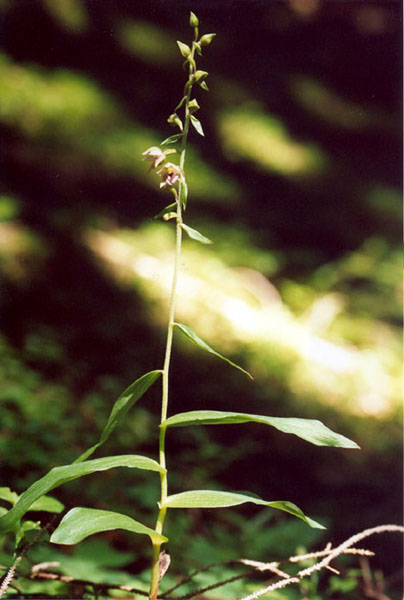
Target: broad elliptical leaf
(79, 523)
(60, 475)
(195, 235)
(197, 125)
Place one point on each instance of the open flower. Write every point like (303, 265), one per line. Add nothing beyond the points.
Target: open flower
(155, 155)
(170, 174)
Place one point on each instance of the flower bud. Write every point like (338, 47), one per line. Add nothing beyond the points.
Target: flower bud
(175, 121)
(206, 39)
(193, 20)
(184, 49)
(193, 106)
(200, 76)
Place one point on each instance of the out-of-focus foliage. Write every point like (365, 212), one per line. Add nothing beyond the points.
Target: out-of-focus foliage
(297, 182)
(248, 132)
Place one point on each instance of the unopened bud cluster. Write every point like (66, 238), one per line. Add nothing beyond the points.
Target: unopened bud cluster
(171, 174)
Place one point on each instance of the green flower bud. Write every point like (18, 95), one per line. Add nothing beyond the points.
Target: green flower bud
(206, 39)
(193, 20)
(184, 49)
(170, 215)
(175, 121)
(193, 106)
(200, 76)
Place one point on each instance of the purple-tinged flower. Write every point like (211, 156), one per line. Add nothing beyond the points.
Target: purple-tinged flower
(170, 174)
(155, 155)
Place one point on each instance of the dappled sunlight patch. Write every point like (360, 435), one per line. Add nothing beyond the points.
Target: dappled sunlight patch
(69, 14)
(52, 104)
(329, 106)
(230, 306)
(250, 133)
(147, 42)
(20, 248)
(70, 121)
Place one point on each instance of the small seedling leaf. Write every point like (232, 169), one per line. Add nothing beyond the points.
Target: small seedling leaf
(204, 346)
(198, 48)
(184, 194)
(180, 103)
(80, 523)
(60, 475)
(125, 402)
(311, 430)
(215, 499)
(197, 125)
(195, 235)
(172, 139)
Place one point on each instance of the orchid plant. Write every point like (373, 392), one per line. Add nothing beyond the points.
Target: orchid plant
(81, 522)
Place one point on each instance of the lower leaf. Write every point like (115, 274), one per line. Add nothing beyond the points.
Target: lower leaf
(60, 475)
(80, 523)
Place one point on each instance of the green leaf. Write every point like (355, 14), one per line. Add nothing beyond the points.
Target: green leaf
(180, 103)
(7, 495)
(215, 499)
(166, 210)
(204, 346)
(191, 61)
(172, 139)
(79, 523)
(197, 47)
(184, 49)
(204, 86)
(195, 235)
(197, 125)
(60, 475)
(125, 402)
(26, 528)
(184, 194)
(47, 504)
(310, 430)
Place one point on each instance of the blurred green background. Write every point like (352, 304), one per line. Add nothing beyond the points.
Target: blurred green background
(297, 181)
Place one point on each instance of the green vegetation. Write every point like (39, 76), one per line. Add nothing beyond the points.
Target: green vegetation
(297, 184)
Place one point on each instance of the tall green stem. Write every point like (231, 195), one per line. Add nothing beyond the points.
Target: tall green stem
(155, 576)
